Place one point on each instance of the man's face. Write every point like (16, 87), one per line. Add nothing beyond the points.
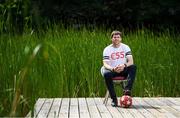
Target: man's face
(116, 39)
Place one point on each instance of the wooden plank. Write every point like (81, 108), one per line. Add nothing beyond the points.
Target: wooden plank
(174, 101)
(109, 101)
(123, 111)
(160, 107)
(83, 108)
(113, 110)
(45, 108)
(54, 111)
(154, 104)
(142, 109)
(28, 115)
(38, 106)
(165, 101)
(94, 113)
(177, 98)
(134, 109)
(154, 101)
(175, 104)
(102, 109)
(74, 111)
(153, 109)
(177, 101)
(169, 106)
(64, 110)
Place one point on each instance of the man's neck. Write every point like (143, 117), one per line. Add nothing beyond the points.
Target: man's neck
(116, 46)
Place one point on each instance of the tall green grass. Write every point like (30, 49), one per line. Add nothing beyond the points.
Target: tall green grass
(69, 61)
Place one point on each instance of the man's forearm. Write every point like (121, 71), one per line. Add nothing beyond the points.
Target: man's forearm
(107, 66)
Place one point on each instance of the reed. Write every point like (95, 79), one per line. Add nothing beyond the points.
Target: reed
(69, 62)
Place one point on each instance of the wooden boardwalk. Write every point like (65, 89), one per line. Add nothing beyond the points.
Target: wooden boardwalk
(159, 107)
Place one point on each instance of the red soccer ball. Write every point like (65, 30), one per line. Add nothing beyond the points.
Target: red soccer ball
(126, 101)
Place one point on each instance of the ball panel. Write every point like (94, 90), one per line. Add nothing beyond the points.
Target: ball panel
(125, 101)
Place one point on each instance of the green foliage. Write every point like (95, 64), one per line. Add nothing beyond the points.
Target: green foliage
(14, 15)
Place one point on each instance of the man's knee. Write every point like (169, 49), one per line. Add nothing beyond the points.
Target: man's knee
(107, 75)
(133, 67)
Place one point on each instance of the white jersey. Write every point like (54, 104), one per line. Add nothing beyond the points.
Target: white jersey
(115, 56)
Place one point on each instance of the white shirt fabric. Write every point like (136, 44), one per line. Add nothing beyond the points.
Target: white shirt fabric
(115, 56)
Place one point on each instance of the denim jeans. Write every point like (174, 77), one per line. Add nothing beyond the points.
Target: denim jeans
(129, 71)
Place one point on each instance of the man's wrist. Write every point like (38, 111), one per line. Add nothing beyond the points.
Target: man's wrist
(112, 69)
(125, 65)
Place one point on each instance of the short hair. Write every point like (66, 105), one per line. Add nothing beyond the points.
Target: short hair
(116, 33)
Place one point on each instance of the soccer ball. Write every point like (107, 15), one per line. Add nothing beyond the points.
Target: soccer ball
(126, 101)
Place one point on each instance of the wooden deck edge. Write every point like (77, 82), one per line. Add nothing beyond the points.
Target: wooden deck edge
(28, 115)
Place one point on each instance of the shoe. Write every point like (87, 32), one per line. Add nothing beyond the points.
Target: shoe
(127, 92)
(114, 103)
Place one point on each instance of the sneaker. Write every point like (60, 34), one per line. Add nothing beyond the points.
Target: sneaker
(127, 92)
(114, 103)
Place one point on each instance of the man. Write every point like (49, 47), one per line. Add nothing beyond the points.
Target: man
(118, 61)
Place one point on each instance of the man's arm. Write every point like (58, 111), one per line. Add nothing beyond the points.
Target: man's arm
(129, 60)
(121, 67)
(107, 66)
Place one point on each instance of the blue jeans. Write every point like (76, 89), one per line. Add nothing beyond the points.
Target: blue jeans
(108, 75)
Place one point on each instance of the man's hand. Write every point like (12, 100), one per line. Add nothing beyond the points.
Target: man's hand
(119, 68)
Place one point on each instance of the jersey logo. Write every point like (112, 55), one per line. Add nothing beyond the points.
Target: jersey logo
(117, 55)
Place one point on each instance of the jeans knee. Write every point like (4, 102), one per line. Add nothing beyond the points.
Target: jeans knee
(133, 67)
(107, 75)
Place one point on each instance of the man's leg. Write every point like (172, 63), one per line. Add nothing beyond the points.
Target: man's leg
(131, 70)
(108, 75)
